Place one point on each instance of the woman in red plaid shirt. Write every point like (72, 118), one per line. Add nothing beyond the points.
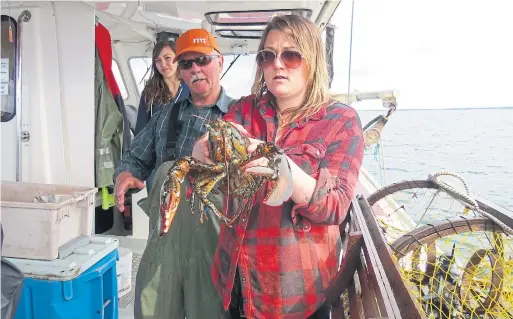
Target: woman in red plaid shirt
(276, 262)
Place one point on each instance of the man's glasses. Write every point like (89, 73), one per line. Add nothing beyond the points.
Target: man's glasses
(291, 59)
(200, 61)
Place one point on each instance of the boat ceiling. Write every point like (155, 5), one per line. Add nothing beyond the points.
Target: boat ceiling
(141, 21)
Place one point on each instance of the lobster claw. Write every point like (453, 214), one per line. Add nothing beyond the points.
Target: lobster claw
(169, 199)
(281, 179)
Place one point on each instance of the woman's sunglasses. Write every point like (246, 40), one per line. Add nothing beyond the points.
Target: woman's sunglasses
(291, 59)
(200, 61)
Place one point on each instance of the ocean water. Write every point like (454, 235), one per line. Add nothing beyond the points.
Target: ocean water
(477, 144)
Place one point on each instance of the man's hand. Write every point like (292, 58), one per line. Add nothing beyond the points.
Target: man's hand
(200, 150)
(125, 181)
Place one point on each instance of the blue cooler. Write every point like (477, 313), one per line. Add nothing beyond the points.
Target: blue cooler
(81, 285)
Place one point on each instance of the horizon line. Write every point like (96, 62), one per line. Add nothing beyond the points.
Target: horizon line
(438, 109)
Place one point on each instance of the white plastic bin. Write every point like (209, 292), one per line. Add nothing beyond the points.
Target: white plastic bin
(39, 218)
(124, 271)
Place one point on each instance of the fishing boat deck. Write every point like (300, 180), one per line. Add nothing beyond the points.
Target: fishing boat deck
(126, 303)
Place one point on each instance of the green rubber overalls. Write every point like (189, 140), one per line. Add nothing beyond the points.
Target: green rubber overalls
(173, 280)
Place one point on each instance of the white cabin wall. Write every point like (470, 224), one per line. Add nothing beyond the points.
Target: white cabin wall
(42, 157)
(9, 148)
(57, 104)
(76, 51)
(41, 101)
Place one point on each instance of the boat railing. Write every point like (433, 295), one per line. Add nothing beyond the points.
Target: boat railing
(368, 283)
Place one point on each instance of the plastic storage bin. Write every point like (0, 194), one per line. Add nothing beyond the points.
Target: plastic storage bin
(124, 271)
(40, 218)
(82, 285)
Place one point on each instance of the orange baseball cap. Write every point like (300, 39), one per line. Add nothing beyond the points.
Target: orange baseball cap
(195, 40)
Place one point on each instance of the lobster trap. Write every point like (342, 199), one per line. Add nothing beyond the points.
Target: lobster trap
(422, 249)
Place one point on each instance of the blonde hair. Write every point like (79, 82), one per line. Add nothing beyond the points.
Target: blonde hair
(307, 38)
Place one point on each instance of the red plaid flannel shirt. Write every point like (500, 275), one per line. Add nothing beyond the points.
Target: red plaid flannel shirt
(287, 255)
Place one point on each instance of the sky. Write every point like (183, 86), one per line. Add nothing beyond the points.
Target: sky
(437, 54)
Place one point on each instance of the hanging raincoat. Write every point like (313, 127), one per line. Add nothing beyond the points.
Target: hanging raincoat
(108, 130)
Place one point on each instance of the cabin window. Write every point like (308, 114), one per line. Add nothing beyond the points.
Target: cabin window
(251, 17)
(8, 68)
(141, 71)
(119, 79)
(236, 85)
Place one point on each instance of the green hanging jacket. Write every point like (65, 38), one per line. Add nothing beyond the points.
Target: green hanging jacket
(108, 129)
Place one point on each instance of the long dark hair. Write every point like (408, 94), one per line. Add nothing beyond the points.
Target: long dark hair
(156, 90)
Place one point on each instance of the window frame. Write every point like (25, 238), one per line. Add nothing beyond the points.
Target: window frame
(122, 79)
(132, 71)
(8, 18)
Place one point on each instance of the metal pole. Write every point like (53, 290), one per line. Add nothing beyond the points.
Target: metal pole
(24, 17)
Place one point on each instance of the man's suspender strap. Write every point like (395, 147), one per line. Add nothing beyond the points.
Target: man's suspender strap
(174, 129)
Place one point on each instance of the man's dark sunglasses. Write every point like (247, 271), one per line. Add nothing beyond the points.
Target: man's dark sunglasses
(200, 61)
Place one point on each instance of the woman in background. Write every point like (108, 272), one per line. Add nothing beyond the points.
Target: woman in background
(163, 88)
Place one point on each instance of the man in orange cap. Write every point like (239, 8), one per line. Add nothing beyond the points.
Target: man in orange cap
(201, 64)
(173, 279)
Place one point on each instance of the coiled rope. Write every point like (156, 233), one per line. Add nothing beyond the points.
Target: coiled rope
(468, 199)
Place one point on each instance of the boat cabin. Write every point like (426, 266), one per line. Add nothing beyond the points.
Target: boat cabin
(48, 74)
(51, 54)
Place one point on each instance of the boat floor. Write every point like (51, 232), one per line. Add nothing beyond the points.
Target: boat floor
(126, 303)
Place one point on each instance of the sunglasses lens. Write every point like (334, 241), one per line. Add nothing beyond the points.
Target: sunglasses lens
(203, 60)
(200, 61)
(265, 58)
(291, 59)
(185, 64)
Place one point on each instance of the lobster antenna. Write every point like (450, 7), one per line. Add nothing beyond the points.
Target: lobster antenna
(227, 176)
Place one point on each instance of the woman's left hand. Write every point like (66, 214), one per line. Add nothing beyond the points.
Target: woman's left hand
(304, 184)
(251, 148)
